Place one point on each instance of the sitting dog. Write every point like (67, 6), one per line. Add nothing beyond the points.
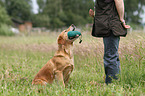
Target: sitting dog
(62, 63)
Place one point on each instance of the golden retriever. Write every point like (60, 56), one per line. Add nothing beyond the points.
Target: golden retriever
(62, 63)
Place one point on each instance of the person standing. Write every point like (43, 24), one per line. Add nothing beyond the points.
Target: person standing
(109, 23)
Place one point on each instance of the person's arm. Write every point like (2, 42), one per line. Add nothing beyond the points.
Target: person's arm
(120, 9)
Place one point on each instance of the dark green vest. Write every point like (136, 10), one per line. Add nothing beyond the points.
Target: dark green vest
(107, 20)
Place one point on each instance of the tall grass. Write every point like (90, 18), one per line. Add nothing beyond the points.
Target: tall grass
(22, 57)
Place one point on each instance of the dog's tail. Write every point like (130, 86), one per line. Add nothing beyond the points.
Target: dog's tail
(39, 81)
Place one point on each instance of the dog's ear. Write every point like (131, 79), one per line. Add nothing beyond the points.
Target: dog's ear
(61, 40)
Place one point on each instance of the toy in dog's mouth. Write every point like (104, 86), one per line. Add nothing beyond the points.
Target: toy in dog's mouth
(74, 34)
(74, 27)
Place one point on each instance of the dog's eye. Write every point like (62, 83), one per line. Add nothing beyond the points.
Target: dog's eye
(65, 31)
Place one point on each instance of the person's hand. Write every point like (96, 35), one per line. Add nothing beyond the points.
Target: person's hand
(124, 24)
(91, 13)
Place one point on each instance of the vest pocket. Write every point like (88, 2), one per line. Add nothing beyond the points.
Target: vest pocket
(100, 27)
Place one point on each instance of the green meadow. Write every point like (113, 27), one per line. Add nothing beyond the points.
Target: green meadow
(21, 57)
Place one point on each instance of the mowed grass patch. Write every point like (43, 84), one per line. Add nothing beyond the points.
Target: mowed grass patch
(20, 65)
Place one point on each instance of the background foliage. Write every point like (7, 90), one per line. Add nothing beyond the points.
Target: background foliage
(5, 21)
(4, 17)
(19, 9)
(60, 13)
(67, 11)
(133, 10)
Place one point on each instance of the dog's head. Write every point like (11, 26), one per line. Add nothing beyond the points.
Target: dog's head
(64, 39)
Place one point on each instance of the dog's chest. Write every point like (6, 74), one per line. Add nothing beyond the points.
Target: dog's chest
(60, 63)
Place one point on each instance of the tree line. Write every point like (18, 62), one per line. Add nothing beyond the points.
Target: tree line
(59, 13)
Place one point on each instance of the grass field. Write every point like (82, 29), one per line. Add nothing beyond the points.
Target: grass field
(21, 57)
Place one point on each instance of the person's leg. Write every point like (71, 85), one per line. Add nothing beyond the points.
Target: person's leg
(111, 57)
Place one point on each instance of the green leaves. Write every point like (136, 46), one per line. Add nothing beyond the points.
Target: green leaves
(4, 22)
(132, 7)
(4, 18)
(66, 12)
(19, 9)
(41, 20)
